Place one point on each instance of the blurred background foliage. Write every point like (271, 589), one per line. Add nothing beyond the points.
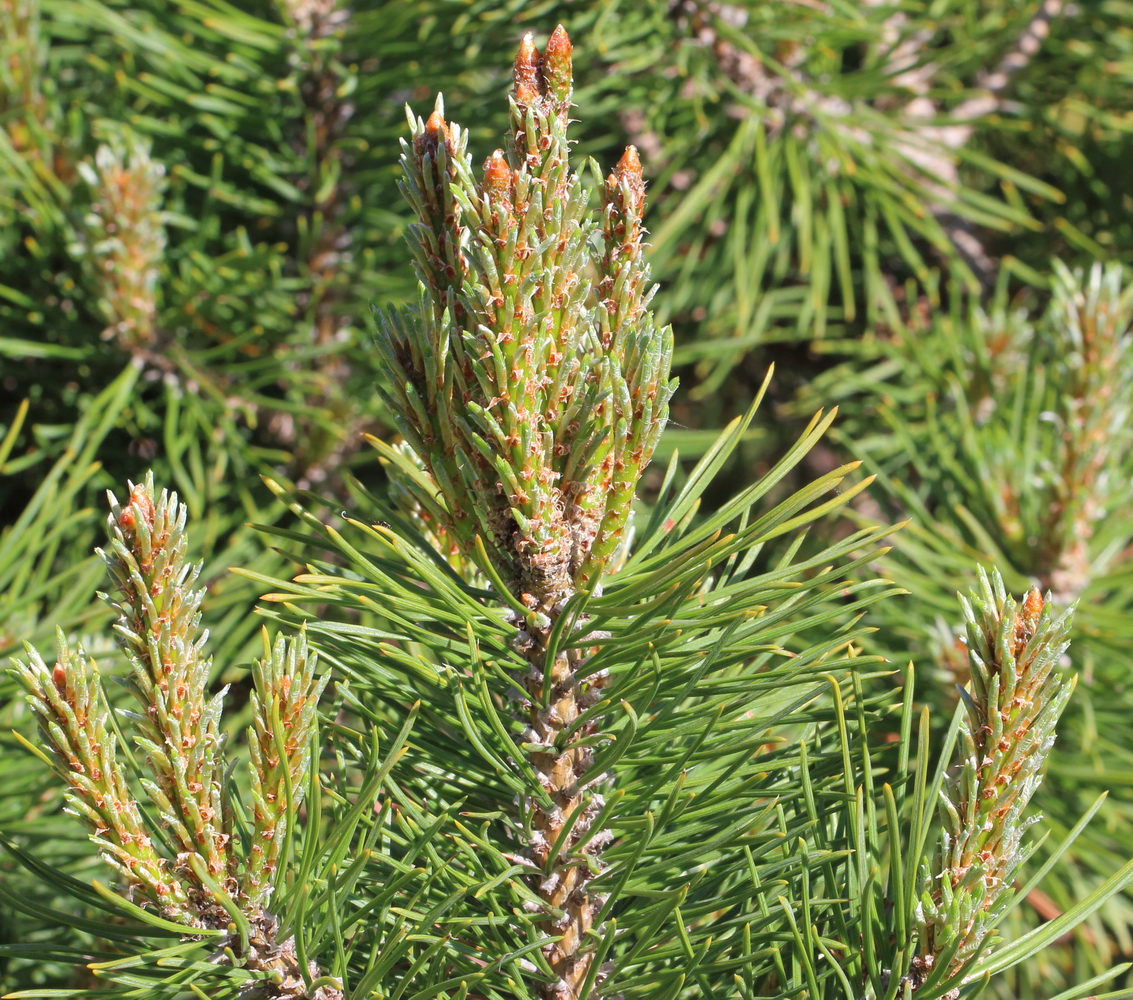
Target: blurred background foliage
(918, 211)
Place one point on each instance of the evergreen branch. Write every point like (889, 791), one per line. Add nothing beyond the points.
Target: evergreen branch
(159, 631)
(926, 140)
(1022, 422)
(950, 138)
(211, 884)
(1028, 43)
(729, 687)
(563, 404)
(1013, 707)
(534, 402)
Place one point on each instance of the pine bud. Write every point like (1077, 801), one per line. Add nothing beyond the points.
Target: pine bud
(123, 240)
(557, 70)
(285, 697)
(498, 180)
(1027, 619)
(625, 200)
(527, 72)
(139, 503)
(435, 136)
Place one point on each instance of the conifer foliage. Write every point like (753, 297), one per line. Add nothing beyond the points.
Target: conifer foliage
(659, 749)
(599, 729)
(535, 396)
(184, 858)
(1013, 706)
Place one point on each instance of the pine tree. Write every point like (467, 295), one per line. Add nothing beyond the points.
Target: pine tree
(622, 760)
(197, 207)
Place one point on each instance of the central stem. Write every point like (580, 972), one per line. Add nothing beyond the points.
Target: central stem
(566, 873)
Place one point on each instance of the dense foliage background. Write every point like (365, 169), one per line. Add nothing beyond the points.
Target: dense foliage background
(921, 213)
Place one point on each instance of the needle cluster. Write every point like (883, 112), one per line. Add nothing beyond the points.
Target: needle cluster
(531, 384)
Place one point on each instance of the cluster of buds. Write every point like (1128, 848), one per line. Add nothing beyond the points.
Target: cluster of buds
(531, 379)
(531, 385)
(205, 878)
(124, 241)
(1013, 705)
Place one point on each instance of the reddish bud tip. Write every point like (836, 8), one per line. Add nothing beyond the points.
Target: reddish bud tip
(630, 163)
(497, 177)
(59, 676)
(1027, 619)
(557, 65)
(528, 72)
(558, 43)
(139, 500)
(435, 135)
(626, 189)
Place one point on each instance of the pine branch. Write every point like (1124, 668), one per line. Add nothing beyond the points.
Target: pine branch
(534, 402)
(1013, 707)
(925, 137)
(564, 397)
(213, 881)
(179, 726)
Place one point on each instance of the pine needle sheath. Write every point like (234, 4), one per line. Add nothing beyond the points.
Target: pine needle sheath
(532, 384)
